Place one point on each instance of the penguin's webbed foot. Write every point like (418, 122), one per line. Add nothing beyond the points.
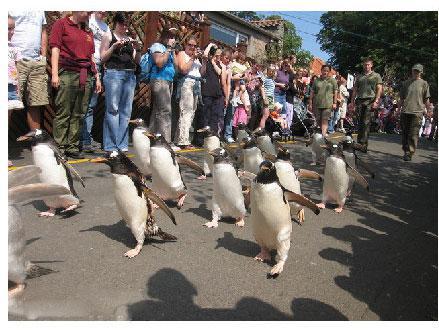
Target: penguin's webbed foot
(301, 216)
(181, 200)
(277, 269)
(49, 213)
(133, 252)
(211, 224)
(338, 210)
(69, 208)
(263, 255)
(16, 290)
(240, 222)
(321, 205)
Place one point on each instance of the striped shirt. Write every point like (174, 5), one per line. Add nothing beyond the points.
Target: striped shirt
(268, 86)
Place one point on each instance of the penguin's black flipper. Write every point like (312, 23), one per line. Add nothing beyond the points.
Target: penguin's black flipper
(165, 236)
(70, 170)
(301, 200)
(22, 175)
(365, 166)
(159, 202)
(309, 174)
(191, 164)
(358, 177)
(22, 193)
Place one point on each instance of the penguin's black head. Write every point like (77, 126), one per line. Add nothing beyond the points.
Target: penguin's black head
(220, 155)
(248, 142)
(241, 126)
(267, 173)
(138, 123)
(36, 136)
(157, 139)
(334, 149)
(260, 132)
(283, 154)
(206, 132)
(116, 161)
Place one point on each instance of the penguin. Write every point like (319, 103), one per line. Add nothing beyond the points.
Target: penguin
(336, 178)
(18, 193)
(211, 142)
(243, 132)
(270, 215)
(227, 199)
(141, 146)
(54, 170)
(167, 181)
(134, 200)
(264, 141)
(251, 155)
(290, 178)
(317, 140)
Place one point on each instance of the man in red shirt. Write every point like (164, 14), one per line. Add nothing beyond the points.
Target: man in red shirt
(73, 69)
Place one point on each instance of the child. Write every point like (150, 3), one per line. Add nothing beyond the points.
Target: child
(428, 123)
(277, 116)
(268, 84)
(241, 101)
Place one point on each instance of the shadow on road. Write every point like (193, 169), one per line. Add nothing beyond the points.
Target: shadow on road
(393, 264)
(237, 245)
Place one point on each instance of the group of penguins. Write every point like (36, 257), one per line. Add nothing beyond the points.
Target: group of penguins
(258, 176)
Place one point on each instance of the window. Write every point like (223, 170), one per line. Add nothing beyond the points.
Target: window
(227, 36)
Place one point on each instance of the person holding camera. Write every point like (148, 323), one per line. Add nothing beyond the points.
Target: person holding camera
(162, 76)
(121, 54)
(281, 83)
(188, 89)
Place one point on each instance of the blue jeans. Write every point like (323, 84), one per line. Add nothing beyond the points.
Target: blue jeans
(88, 117)
(282, 99)
(333, 120)
(228, 120)
(119, 95)
(12, 92)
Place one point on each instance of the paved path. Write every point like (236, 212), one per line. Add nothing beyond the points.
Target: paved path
(375, 261)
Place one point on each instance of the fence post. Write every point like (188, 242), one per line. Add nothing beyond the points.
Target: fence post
(151, 28)
(205, 34)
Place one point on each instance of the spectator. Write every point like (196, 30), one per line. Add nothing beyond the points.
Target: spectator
(256, 94)
(269, 85)
(433, 134)
(99, 29)
(428, 122)
(188, 89)
(242, 105)
(366, 96)
(211, 90)
(415, 95)
(30, 38)
(281, 84)
(277, 117)
(324, 98)
(290, 97)
(343, 95)
(73, 69)
(162, 76)
(14, 55)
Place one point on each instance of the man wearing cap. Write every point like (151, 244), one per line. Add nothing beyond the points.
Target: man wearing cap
(415, 94)
(366, 95)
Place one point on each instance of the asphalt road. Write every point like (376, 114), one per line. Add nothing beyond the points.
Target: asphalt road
(375, 261)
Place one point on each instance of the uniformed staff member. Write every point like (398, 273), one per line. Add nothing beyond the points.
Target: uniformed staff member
(323, 98)
(366, 96)
(414, 94)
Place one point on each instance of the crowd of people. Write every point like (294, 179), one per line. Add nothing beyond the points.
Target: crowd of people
(214, 87)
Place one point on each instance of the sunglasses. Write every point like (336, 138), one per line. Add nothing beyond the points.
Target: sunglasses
(192, 45)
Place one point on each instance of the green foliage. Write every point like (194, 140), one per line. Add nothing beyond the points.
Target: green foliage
(246, 15)
(394, 40)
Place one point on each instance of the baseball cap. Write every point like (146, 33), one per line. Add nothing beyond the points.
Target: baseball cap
(418, 67)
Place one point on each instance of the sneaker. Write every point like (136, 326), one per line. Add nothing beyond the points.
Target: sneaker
(15, 104)
(74, 155)
(88, 149)
(124, 150)
(186, 146)
(175, 148)
(407, 157)
(342, 130)
(230, 140)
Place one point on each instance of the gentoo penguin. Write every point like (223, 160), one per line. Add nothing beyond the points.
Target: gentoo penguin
(270, 215)
(316, 141)
(54, 170)
(211, 142)
(290, 178)
(141, 146)
(134, 200)
(19, 192)
(167, 181)
(336, 178)
(243, 132)
(227, 199)
(264, 141)
(251, 155)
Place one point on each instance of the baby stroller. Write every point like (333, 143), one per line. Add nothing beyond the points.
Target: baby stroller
(303, 121)
(275, 130)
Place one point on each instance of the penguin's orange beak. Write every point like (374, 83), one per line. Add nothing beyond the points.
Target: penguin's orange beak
(23, 138)
(99, 160)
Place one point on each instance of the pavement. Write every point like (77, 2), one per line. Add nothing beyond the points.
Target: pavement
(377, 260)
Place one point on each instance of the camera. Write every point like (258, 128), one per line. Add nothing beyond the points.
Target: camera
(212, 50)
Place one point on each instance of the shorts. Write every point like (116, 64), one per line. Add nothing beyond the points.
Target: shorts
(343, 112)
(240, 116)
(32, 78)
(322, 114)
(12, 92)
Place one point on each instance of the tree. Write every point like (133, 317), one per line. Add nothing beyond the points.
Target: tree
(394, 40)
(246, 15)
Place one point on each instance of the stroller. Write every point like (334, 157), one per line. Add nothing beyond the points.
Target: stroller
(303, 120)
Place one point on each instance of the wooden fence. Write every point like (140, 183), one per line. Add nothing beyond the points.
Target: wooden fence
(145, 26)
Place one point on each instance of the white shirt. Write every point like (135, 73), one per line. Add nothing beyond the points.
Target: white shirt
(99, 29)
(27, 34)
(195, 69)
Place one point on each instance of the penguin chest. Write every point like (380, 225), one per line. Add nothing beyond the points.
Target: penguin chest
(270, 215)
(227, 191)
(51, 171)
(210, 143)
(288, 179)
(252, 159)
(166, 177)
(265, 145)
(141, 145)
(131, 207)
(336, 180)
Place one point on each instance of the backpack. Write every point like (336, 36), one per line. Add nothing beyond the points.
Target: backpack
(146, 63)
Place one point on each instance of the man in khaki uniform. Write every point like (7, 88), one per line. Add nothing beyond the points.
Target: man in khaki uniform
(323, 98)
(366, 96)
(415, 94)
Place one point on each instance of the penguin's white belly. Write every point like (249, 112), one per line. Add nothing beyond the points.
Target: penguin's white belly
(210, 143)
(166, 178)
(252, 159)
(141, 146)
(227, 191)
(336, 180)
(265, 145)
(131, 207)
(270, 215)
(288, 179)
(16, 246)
(52, 173)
